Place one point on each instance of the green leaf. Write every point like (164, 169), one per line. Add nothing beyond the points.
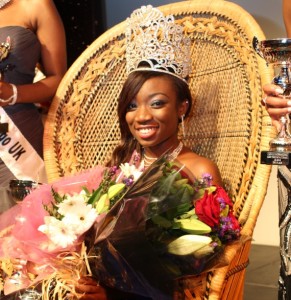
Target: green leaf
(180, 182)
(188, 214)
(162, 221)
(95, 196)
(193, 226)
(165, 187)
(57, 197)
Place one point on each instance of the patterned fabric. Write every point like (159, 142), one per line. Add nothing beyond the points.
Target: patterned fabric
(284, 184)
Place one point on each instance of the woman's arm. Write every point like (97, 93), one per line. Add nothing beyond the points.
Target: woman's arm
(44, 19)
(287, 16)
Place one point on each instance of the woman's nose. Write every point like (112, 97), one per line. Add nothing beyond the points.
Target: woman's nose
(143, 114)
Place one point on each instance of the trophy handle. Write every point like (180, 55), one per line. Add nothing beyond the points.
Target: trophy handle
(256, 46)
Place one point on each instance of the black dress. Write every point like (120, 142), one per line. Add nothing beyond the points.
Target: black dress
(284, 184)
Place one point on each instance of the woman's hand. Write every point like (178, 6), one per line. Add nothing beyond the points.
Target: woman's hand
(6, 91)
(276, 104)
(90, 289)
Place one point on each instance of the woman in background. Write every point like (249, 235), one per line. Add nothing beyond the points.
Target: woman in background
(287, 16)
(277, 106)
(31, 34)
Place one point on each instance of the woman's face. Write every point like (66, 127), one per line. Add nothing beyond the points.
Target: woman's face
(153, 115)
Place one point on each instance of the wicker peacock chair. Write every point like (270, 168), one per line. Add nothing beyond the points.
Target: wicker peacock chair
(227, 123)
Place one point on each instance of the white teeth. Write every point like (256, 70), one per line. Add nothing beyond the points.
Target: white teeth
(145, 130)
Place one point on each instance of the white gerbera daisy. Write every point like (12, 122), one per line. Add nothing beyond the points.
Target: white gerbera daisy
(58, 232)
(81, 220)
(73, 203)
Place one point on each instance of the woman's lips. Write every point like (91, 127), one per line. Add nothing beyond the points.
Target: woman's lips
(146, 132)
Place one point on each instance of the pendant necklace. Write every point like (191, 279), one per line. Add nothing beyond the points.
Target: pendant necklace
(149, 160)
(3, 2)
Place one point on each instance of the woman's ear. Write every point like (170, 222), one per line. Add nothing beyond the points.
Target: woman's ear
(183, 109)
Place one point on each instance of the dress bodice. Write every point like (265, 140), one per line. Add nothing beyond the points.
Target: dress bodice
(19, 66)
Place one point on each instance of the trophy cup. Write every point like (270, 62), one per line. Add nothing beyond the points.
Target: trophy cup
(278, 53)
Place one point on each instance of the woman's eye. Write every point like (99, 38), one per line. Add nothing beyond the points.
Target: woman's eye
(131, 106)
(157, 103)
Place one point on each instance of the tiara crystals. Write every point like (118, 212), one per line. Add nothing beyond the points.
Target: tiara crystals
(4, 2)
(155, 42)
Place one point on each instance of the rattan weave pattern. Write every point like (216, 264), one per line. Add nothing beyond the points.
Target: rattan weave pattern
(227, 123)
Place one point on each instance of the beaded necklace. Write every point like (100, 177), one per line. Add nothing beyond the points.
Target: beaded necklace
(149, 160)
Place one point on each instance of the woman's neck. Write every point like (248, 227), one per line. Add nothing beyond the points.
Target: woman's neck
(151, 156)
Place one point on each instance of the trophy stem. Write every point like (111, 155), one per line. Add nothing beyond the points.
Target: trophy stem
(283, 140)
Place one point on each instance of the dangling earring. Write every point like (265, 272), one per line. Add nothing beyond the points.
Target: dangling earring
(182, 124)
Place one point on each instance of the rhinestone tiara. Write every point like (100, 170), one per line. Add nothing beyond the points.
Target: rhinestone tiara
(155, 42)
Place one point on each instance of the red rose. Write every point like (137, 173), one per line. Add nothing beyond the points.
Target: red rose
(208, 209)
(216, 210)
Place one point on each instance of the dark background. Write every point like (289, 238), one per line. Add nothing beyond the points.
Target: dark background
(84, 21)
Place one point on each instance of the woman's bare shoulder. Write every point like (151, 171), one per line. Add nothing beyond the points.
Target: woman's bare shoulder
(33, 7)
(199, 165)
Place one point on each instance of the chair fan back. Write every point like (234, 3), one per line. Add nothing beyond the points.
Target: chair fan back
(227, 123)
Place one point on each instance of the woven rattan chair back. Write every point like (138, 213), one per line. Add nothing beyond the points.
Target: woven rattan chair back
(227, 123)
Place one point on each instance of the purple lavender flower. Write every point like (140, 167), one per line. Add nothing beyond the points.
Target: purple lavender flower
(207, 179)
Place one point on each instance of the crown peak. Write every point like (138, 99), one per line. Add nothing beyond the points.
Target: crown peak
(155, 42)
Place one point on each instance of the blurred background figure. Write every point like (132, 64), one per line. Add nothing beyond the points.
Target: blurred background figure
(31, 34)
(287, 16)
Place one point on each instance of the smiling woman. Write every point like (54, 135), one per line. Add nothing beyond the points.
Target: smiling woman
(154, 114)
(151, 106)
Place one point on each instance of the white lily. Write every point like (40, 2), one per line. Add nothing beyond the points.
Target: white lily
(188, 244)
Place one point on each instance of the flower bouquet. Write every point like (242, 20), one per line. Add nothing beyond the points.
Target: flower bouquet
(133, 231)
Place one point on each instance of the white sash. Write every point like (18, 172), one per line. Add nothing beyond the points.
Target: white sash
(18, 155)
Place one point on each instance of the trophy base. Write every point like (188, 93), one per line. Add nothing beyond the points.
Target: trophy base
(276, 158)
(3, 127)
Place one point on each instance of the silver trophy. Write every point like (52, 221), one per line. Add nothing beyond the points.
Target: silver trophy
(278, 53)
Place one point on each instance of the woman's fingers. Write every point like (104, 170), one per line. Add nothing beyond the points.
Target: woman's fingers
(278, 102)
(272, 89)
(90, 289)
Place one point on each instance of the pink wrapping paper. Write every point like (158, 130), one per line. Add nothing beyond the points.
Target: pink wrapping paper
(23, 240)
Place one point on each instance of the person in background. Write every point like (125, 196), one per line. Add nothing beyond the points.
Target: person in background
(31, 34)
(277, 105)
(286, 7)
